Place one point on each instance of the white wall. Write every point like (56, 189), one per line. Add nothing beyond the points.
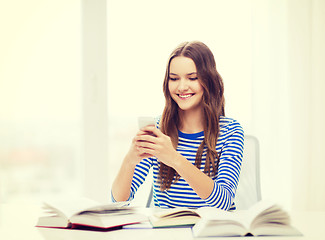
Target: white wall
(306, 73)
(271, 97)
(317, 163)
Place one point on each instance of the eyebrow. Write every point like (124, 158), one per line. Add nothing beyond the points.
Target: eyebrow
(186, 74)
(192, 73)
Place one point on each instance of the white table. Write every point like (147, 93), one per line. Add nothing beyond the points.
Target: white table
(18, 222)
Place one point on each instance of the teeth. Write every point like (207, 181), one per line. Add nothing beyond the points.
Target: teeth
(185, 96)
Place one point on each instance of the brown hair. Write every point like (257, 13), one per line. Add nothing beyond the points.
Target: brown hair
(213, 108)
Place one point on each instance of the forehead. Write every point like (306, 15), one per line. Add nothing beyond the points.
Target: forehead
(182, 66)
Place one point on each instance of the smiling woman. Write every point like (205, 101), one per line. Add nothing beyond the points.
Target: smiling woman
(140, 39)
(196, 151)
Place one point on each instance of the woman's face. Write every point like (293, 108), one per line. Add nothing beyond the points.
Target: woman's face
(184, 85)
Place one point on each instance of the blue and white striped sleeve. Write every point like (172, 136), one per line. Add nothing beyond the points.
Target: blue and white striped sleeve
(140, 173)
(231, 155)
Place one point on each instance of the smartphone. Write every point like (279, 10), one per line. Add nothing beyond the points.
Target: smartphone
(145, 121)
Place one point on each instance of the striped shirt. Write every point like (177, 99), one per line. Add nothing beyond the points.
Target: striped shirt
(230, 147)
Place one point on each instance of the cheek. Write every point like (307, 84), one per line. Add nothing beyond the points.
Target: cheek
(171, 87)
(198, 88)
(200, 91)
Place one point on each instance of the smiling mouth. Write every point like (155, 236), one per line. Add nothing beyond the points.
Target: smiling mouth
(185, 96)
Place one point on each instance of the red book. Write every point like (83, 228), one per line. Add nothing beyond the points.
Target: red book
(87, 214)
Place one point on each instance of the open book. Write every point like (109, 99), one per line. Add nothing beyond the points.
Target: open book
(262, 219)
(88, 214)
(177, 217)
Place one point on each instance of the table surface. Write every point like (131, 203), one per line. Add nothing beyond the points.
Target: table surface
(17, 221)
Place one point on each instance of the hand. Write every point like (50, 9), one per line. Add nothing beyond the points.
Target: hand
(134, 156)
(150, 141)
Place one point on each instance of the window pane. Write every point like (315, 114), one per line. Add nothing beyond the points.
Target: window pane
(40, 100)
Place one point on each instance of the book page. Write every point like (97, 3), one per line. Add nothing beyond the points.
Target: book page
(266, 213)
(257, 211)
(73, 206)
(276, 230)
(112, 208)
(108, 220)
(174, 217)
(70, 207)
(214, 227)
(214, 214)
(175, 212)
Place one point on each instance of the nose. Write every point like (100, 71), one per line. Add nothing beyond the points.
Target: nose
(183, 85)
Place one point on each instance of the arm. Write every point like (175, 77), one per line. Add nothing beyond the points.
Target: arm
(124, 185)
(218, 191)
(201, 183)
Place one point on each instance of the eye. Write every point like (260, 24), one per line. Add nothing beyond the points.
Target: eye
(173, 78)
(193, 78)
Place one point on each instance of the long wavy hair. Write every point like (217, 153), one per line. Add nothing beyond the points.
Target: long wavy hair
(213, 103)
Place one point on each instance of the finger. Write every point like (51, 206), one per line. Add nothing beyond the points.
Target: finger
(146, 138)
(145, 145)
(145, 133)
(145, 155)
(145, 152)
(153, 129)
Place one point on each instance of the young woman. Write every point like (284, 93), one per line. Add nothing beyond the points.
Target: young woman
(195, 151)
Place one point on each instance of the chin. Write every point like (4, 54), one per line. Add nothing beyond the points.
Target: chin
(189, 108)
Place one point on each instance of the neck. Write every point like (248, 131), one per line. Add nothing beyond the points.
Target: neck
(191, 121)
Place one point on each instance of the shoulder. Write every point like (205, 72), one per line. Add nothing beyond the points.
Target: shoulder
(231, 135)
(230, 126)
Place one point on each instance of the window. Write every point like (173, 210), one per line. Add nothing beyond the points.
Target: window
(40, 95)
